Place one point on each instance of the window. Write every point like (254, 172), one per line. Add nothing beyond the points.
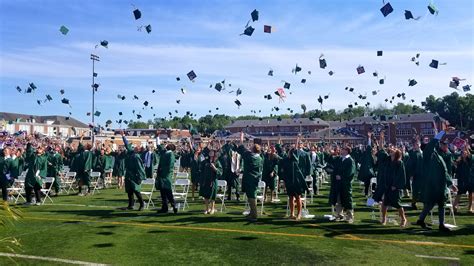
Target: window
(26, 128)
(403, 132)
(64, 131)
(38, 129)
(427, 131)
(50, 131)
(10, 128)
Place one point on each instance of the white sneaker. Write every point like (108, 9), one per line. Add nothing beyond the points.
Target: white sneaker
(38, 203)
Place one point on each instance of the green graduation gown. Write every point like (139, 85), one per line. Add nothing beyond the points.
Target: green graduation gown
(415, 171)
(367, 163)
(395, 177)
(209, 177)
(134, 172)
(464, 176)
(270, 170)
(119, 163)
(164, 177)
(295, 182)
(252, 172)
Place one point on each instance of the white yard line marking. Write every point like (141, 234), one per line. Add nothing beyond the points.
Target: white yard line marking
(77, 262)
(80, 205)
(437, 258)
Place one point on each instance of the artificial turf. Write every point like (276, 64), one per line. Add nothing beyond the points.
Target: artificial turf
(93, 229)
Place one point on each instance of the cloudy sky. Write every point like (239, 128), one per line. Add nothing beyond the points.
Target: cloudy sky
(204, 36)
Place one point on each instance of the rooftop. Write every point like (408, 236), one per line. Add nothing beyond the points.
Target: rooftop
(275, 122)
(57, 119)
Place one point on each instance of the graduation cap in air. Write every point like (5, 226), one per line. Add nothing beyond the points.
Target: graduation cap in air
(238, 92)
(49, 98)
(268, 97)
(322, 62)
(178, 101)
(238, 103)
(409, 15)
(382, 81)
(95, 86)
(296, 69)
(218, 87)
(137, 14)
(153, 91)
(270, 72)
(386, 9)
(303, 81)
(145, 103)
(94, 74)
(18, 88)
(466, 88)
(331, 73)
(135, 97)
(412, 82)
(65, 101)
(432, 8)
(148, 28)
(434, 63)
(286, 85)
(62, 92)
(38, 102)
(32, 86)
(320, 99)
(97, 113)
(120, 113)
(191, 75)
(183, 90)
(254, 15)
(267, 28)
(105, 43)
(374, 93)
(360, 69)
(379, 53)
(277, 108)
(63, 30)
(139, 116)
(248, 31)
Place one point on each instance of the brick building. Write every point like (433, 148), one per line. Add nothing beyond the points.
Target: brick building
(273, 127)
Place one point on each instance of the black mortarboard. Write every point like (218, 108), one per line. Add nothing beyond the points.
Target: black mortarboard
(123, 98)
(432, 9)
(375, 74)
(238, 92)
(238, 103)
(386, 9)
(374, 92)
(287, 85)
(18, 88)
(399, 95)
(137, 14)
(97, 113)
(322, 62)
(320, 99)
(297, 69)
(105, 43)
(268, 97)
(135, 97)
(303, 81)
(254, 15)
(277, 93)
(270, 72)
(267, 28)
(38, 102)
(49, 98)
(248, 31)
(218, 87)
(351, 89)
(331, 73)
(178, 101)
(153, 91)
(277, 109)
(381, 81)
(434, 63)
(191, 75)
(412, 82)
(178, 78)
(64, 30)
(279, 118)
(65, 101)
(139, 116)
(408, 14)
(326, 97)
(95, 86)
(360, 69)
(120, 113)
(28, 90)
(379, 53)
(145, 103)
(148, 28)
(350, 106)
(466, 88)
(62, 92)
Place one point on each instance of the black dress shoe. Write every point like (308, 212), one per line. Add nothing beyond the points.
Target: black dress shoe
(422, 224)
(162, 211)
(443, 228)
(141, 208)
(175, 210)
(130, 208)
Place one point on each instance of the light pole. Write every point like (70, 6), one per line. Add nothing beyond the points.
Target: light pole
(93, 58)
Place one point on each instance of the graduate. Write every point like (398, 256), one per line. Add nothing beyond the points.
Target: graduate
(5, 176)
(270, 170)
(393, 186)
(119, 166)
(437, 182)
(108, 162)
(252, 174)
(405, 158)
(164, 178)
(83, 166)
(295, 182)
(134, 174)
(465, 177)
(225, 160)
(211, 170)
(341, 184)
(382, 162)
(367, 163)
(37, 170)
(196, 160)
(233, 181)
(55, 165)
(415, 172)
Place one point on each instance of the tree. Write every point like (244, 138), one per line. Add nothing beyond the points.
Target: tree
(458, 110)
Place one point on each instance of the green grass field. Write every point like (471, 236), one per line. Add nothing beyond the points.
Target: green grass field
(92, 229)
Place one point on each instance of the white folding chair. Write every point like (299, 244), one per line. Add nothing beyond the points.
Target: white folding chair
(373, 181)
(181, 175)
(148, 194)
(108, 178)
(309, 183)
(180, 192)
(17, 189)
(47, 185)
(68, 182)
(221, 189)
(276, 199)
(261, 194)
(94, 179)
(450, 207)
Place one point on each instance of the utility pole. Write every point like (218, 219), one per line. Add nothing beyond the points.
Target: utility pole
(93, 58)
